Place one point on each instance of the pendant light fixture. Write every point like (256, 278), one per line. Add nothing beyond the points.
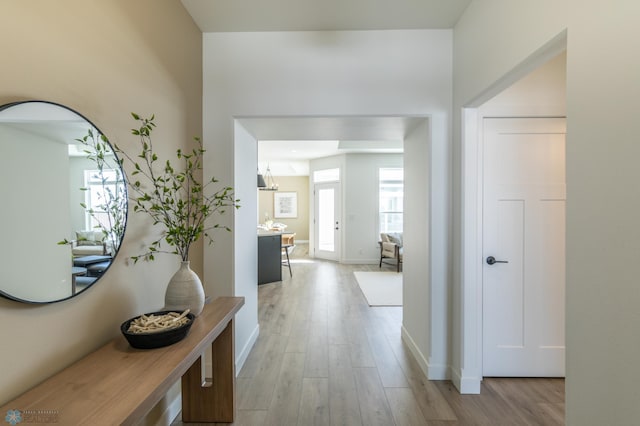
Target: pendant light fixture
(261, 183)
(267, 180)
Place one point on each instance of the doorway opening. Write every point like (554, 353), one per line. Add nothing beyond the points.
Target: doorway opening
(497, 101)
(426, 212)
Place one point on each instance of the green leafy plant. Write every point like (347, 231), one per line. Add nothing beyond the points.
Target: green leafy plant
(174, 197)
(110, 208)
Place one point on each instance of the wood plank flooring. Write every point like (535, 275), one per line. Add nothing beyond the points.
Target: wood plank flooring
(324, 357)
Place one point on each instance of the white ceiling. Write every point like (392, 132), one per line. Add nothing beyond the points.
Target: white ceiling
(291, 158)
(323, 15)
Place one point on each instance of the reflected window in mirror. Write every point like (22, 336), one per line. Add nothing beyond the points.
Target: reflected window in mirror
(65, 198)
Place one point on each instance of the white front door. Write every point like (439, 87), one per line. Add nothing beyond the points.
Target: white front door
(523, 278)
(327, 220)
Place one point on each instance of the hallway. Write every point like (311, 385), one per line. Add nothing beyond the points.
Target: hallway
(325, 357)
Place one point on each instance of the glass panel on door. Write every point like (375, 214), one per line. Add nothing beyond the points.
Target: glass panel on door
(326, 219)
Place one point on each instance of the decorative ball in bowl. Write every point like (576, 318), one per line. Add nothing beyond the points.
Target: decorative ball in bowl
(157, 329)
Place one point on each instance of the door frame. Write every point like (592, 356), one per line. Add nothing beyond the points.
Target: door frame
(472, 252)
(467, 371)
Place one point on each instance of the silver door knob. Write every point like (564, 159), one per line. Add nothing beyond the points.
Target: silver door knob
(491, 260)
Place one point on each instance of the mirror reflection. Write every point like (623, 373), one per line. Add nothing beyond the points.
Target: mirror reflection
(64, 202)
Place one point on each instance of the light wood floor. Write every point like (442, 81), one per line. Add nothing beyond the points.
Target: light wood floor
(324, 357)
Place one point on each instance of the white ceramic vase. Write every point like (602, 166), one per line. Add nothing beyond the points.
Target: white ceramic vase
(184, 291)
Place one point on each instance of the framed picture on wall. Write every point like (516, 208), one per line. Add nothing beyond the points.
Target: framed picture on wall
(285, 204)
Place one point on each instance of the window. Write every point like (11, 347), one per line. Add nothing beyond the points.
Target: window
(101, 190)
(327, 175)
(390, 195)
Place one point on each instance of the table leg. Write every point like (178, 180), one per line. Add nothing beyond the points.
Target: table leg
(214, 400)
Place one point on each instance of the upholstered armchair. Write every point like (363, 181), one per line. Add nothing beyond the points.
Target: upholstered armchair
(88, 243)
(391, 248)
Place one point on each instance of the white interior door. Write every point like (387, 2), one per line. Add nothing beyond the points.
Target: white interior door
(327, 220)
(524, 227)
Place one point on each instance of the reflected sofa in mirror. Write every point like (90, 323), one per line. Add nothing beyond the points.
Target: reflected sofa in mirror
(64, 202)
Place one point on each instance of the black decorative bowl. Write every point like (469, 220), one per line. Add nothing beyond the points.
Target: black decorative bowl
(156, 339)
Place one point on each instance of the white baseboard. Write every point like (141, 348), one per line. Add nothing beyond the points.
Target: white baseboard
(171, 413)
(466, 385)
(438, 372)
(431, 371)
(242, 356)
(415, 351)
(360, 261)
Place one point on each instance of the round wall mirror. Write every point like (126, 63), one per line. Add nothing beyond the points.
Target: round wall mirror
(64, 202)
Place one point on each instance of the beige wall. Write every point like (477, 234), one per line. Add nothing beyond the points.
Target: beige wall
(603, 201)
(299, 185)
(105, 60)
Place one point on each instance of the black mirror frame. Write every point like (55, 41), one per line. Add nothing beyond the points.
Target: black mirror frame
(4, 294)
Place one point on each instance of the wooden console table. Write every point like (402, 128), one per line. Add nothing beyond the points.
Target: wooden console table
(118, 384)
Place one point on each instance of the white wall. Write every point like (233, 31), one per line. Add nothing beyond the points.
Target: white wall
(417, 265)
(360, 206)
(540, 93)
(246, 278)
(496, 42)
(359, 73)
(494, 37)
(36, 176)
